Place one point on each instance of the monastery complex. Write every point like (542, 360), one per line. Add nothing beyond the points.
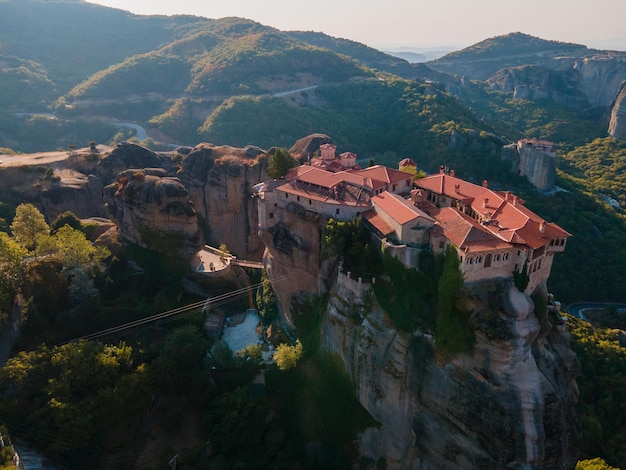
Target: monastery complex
(493, 233)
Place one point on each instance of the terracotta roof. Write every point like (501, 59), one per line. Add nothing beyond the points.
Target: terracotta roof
(398, 208)
(378, 223)
(326, 179)
(384, 174)
(328, 146)
(466, 233)
(325, 198)
(504, 213)
(450, 186)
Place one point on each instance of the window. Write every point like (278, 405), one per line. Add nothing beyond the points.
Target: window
(470, 260)
(271, 215)
(337, 211)
(505, 256)
(298, 198)
(479, 259)
(310, 202)
(441, 247)
(519, 252)
(286, 195)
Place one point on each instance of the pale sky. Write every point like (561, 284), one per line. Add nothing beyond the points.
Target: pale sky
(416, 23)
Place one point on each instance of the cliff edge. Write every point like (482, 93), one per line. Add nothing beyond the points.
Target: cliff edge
(508, 404)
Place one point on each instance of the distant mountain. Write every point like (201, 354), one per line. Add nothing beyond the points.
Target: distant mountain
(485, 58)
(236, 81)
(411, 57)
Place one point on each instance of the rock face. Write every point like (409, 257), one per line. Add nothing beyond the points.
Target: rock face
(154, 211)
(292, 256)
(536, 160)
(617, 123)
(75, 192)
(305, 147)
(219, 180)
(508, 404)
(533, 82)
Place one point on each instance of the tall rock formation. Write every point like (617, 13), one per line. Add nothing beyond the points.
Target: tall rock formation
(534, 159)
(219, 180)
(508, 404)
(617, 123)
(154, 211)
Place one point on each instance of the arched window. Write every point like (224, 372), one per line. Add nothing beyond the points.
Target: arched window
(487, 261)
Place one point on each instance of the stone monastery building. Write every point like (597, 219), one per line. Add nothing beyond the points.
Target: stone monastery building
(492, 231)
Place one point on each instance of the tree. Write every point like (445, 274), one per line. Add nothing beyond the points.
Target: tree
(286, 356)
(29, 226)
(453, 332)
(73, 249)
(266, 301)
(180, 364)
(279, 163)
(594, 464)
(11, 264)
(66, 218)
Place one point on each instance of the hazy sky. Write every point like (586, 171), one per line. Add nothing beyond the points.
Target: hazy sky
(416, 23)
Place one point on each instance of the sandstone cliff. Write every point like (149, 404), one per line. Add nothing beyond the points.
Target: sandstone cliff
(533, 82)
(292, 254)
(508, 404)
(154, 211)
(617, 123)
(219, 180)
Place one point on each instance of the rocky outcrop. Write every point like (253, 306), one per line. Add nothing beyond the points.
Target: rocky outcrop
(75, 192)
(219, 180)
(127, 155)
(617, 123)
(292, 256)
(508, 404)
(153, 210)
(305, 148)
(533, 82)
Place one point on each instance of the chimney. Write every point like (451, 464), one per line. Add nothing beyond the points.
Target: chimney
(457, 187)
(485, 184)
(514, 200)
(452, 172)
(542, 226)
(442, 170)
(486, 202)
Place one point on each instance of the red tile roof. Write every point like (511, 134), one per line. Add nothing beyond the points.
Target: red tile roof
(384, 174)
(503, 213)
(467, 234)
(450, 186)
(398, 208)
(378, 223)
